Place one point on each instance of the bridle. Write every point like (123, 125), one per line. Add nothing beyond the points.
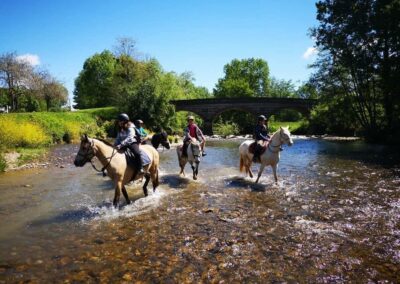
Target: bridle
(282, 141)
(88, 157)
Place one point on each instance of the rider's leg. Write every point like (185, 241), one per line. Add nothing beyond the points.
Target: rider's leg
(138, 158)
(184, 148)
(202, 145)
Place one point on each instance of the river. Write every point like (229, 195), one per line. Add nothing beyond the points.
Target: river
(333, 217)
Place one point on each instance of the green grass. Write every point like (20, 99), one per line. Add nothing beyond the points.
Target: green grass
(31, 134)
(296, 127)
(28, 155)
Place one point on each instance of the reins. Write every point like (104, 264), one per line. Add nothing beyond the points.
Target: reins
(93, 165)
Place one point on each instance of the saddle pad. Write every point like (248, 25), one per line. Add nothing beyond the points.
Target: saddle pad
(253, 145)
(130, 157)
(145, 158)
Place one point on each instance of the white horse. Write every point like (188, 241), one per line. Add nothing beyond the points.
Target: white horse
(269, 157)
(193, 157)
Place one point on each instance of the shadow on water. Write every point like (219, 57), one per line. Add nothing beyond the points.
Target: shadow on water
(175, 181)
(242, 183)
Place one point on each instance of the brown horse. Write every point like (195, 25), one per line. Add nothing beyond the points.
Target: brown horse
(116, 165)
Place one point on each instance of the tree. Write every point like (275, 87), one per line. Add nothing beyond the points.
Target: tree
(15, 76)
(125, 46)
(359, 58)
(93, 85)
(282, 89)
(244, 78)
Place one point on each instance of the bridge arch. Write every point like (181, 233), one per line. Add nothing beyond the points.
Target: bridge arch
(209, 109)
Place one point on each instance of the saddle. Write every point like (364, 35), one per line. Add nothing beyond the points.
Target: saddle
(130, 158)
(261, 147)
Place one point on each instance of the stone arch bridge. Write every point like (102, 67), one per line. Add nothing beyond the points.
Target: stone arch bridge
(209, 109)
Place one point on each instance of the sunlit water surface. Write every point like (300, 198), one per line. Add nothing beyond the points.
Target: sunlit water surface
(332, 217)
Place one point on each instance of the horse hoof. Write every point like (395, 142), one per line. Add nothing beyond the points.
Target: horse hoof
(195, 178)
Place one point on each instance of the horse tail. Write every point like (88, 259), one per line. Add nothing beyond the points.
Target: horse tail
(241, 163)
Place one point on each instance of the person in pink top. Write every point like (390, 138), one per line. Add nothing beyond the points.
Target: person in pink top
(193, 131)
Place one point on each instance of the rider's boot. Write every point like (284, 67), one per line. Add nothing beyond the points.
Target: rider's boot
(184, 150)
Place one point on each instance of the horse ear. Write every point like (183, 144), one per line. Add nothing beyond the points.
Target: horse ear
(288, 127)
(280, 127)
(84, 138)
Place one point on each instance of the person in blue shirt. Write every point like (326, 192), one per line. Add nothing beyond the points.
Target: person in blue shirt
(128, 137)
(142, 132)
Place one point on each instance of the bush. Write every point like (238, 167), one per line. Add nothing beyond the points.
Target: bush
(21, 134)
(3, 163)
(225, 129)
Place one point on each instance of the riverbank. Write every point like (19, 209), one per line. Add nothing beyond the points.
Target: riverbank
(26, 137)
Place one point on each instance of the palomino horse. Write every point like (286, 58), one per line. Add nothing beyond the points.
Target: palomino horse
(157, 139)
(193, 157)
(116, 165)
(269, 157)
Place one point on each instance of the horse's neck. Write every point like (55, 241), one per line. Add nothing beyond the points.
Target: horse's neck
(102, 151)
(276, 139)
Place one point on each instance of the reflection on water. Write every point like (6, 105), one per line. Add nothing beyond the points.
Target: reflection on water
(332, 217)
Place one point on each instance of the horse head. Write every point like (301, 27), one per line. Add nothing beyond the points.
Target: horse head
(285, 137)
(85, 153)
(196, 150)
(160, 138)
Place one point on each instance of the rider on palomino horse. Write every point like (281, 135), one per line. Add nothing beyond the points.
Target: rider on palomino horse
(128, 137)
(193, 131)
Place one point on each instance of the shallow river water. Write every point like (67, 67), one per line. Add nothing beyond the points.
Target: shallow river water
(333, 217)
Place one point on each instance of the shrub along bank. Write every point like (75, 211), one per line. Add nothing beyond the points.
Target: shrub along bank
(38, 130)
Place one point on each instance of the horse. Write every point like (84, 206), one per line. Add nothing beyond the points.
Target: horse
(193, 157)
(157, 139)
(269, 157)
(114, 161)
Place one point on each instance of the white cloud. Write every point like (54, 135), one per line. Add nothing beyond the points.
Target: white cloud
(32, 59)
(311, 51)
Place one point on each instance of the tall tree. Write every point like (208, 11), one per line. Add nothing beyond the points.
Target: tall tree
(15, 76)
(244, 78)
(359, 44)
(93, 85)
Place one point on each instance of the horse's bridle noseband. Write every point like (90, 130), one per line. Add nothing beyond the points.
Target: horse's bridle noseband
(281, 142)
(90, 151)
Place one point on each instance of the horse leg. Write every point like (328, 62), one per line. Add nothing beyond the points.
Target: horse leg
(147, 177)
(274, 171)
(117, 193)
(260, 172)
(194, 172)
(125, 193)
(154, 179)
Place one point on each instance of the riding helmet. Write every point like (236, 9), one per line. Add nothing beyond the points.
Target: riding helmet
(262, 117)
(138, 121)
(123, 117)
(190, 117)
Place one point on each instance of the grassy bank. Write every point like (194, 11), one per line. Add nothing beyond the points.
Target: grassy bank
(23, 132)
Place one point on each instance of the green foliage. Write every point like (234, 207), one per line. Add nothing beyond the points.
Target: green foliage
(41, 129)
(244, 78)
(3, 163)
(282, 89)
(225, 129)
(94, 83)
(358, 44)
(28, 154)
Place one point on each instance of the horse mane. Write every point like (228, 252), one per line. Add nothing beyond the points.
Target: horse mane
(105, 142)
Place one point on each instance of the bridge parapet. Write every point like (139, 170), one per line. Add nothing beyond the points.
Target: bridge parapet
(208, 109)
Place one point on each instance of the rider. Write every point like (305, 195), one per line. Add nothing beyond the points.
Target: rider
(128, 137)
(260, 134)
(193, 131)
(140, 129)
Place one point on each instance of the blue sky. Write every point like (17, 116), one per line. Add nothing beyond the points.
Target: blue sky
(192, 35)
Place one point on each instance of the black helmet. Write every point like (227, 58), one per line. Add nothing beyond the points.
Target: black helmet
(262, 117)
(123, 117)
